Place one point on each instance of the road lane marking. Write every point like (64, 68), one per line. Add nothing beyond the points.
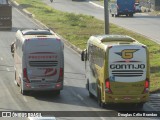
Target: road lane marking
(1, 58)
(80, 97)
(9, 96)
(31, 19)
(8, 69)
(102, 118)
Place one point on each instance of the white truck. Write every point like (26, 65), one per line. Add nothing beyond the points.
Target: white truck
(5, 15)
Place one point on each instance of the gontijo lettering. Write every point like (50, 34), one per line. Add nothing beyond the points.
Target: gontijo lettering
(127, 66)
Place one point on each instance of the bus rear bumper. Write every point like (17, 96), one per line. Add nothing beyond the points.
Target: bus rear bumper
(127, 98)
(42, 86)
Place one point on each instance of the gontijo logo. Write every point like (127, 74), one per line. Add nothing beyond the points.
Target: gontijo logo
(127, 53)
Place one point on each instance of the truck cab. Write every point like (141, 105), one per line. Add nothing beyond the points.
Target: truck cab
(5, 15)
(122, 7)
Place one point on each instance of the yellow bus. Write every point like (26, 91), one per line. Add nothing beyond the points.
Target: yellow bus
(117, 69)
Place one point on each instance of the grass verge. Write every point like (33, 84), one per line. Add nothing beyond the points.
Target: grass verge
(78, 28)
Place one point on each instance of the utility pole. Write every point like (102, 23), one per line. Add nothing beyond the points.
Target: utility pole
(106, 16)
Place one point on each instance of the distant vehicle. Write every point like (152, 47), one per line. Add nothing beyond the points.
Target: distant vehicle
(113, 9)
(117, 69)
(137, 7)
(5, 15)
(51, 1)
(39, 61)
(122, 7)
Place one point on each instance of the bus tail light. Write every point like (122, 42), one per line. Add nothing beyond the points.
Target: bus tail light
(25, 76)
(146, 86)
(60, 79)
(107, 85)
(147, 83)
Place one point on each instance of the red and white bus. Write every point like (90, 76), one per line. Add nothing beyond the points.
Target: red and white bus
(39, 60)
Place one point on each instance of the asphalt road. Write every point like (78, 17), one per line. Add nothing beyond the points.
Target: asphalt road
(74, 97)
(141, 23)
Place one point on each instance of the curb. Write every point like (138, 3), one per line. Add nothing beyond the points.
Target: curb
(26, 12)
(17, 5)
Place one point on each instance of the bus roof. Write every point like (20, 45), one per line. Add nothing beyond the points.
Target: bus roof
(33, 34)
(37, 32)
(114, 38)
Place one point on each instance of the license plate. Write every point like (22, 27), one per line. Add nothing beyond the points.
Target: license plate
(127, 98)
(43, 85)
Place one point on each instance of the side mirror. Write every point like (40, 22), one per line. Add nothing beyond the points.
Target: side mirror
(12, 47)
(84, 55)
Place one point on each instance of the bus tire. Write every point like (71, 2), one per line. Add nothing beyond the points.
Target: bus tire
(101, 104)
(87, 87)
(16, 79)
(23, 92)
(130, 15)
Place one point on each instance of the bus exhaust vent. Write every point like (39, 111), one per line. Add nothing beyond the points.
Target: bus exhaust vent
(43, 63)
(127, 73)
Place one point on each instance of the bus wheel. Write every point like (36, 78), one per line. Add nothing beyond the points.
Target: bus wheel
(101, 104)
(87, 86)
(23, 92)
(131, 15)
(16, 79)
